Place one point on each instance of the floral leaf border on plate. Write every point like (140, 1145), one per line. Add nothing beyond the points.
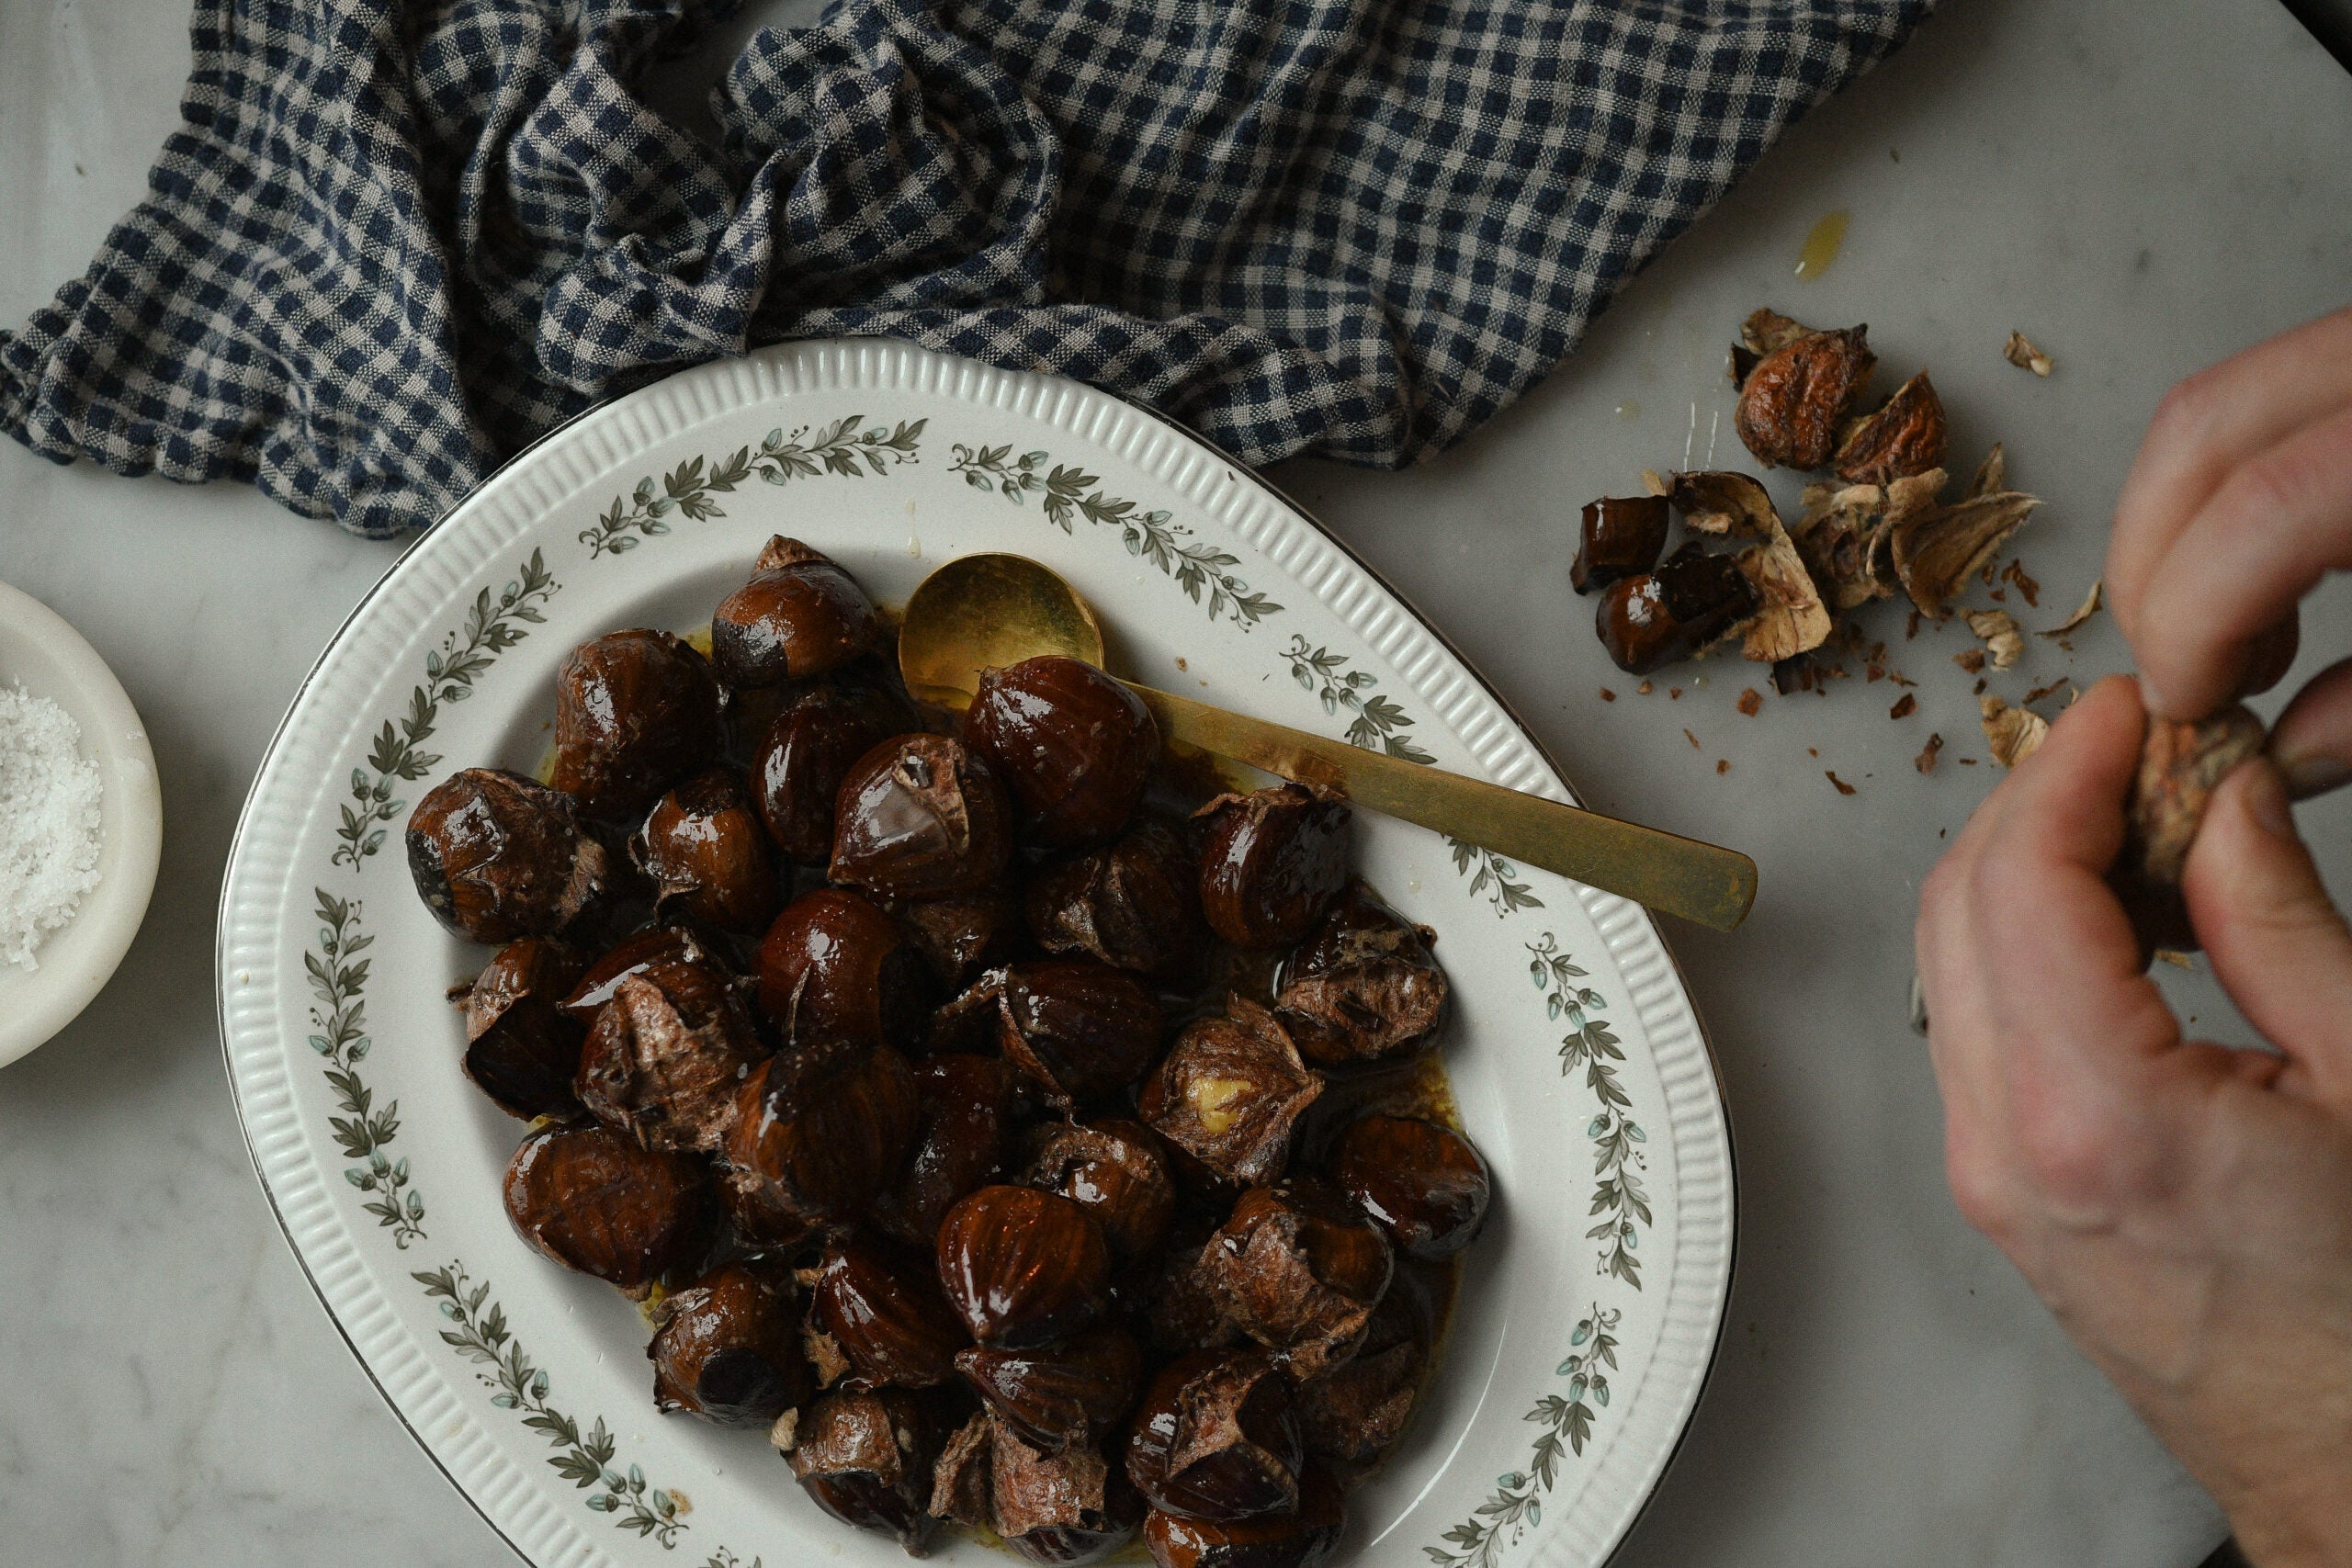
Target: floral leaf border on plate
(1565, 1419)
(835, 448)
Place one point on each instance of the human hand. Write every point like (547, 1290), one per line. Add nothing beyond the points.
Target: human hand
(2239, 503)
(2184, 1210)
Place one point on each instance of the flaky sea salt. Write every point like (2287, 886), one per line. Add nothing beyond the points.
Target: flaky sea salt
(49, 822)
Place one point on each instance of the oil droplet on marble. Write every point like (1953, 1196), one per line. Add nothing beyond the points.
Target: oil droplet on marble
(1821, 247)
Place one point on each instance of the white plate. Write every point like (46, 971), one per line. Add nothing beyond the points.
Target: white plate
(1575, 1359)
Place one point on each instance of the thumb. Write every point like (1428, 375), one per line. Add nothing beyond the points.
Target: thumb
(2279, 947)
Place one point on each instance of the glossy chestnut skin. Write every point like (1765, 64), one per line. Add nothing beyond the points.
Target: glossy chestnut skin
(1793, 400)
(633, 954)
(1660, 616)
(1299, 1540)
(496, 856)
(1426, 1184)
(964, 1136)
(1229, 1093)
(1134, 903)
(1113, 1167)
(866, 1459)
(1075, 747)
(1300, 1270)
(1618, 536)
(818, 1132)
(800, 615)
(962, 933)
(884, 1312)
(1272, 862)
(1067, 1507)
(1363, 986)
(1223, 1421)
(1057, 1396)
(729, 1347)
(635, 712)
(667, 1056)
(592, 1200)
(835, 967)
(1023, 1268)
(919, 816)
(707, 855)
(807, 750)
(521, 1047)
(1081, 1030)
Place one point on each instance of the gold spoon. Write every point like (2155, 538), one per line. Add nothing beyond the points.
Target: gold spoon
(985, 611)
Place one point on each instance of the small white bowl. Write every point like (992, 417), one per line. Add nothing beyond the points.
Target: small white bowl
(50, 659)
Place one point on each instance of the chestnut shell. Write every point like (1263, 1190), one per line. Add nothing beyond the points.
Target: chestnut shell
(1617, 537)
(1076, 747)
(592, 1200)
(1426, 1184)
(1363, 986)
(820, 1132)
(522, 1049)
(1134, 903)
(1215, 1436)
(1023, 1268)
(886, 1313)
(496, 856)
(800, 615)
(835, 967)
(1299, 1540)
(1272, 862)
(919, 816)
(1113, 1167)
(729, 1347)
(707, 855)
(635, 712)
(807, 750)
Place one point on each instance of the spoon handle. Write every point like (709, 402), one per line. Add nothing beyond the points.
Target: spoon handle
(1682, 876)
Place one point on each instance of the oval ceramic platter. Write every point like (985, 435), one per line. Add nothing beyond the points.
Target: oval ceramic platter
(1589, 1310)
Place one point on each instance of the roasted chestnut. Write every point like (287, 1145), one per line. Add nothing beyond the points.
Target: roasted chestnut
(1349, 1414)
(1690, 601)
(1057, 1396)
(635, 712)
(497, 856)
(1024, 1268)
(919, 816)
(1081, 1030)
(1297, 1539)
(885, 1314)
(962, 933)
(807, 750)
(1217, 1438)
(668, 1055)
(868, 1458)
(1425, 1185)
(1134, 903)
(1363, 986)
(1113, 1168)
(1619, 536)
(591, 1198)
(729, 1347)
(834, 967)
(820, 1132)
(1903, 438)
(634, 955)
(1299, 1270)
(1230, 1093)
(704, 851)
(1064, 1507)
(521, 1047)
(959, 1483)
(1272, 862)
(1793, 401)
(963, 1137)
(800, 615)
(1182, 1309)
(1075, 747)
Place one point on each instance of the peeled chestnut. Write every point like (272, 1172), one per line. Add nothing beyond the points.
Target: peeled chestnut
(1075, 746)
(594, 1201)
(1690, 601)
(1024, 1268)
(1057, 1396)
(707, 858)
(1061, 1507)
(1299, 1270)
(1364, 986)
(668, 1055)
(1425, 1185)
(1230, 1091)
(1134, 903)
(962, 933)
(1297, 1539)
(820, 1132)
(1620, 536)
(964, 1133)
(1113, 1167)
(1081, 1030)
(1272, 862)
(729, 1347)
(885, 1314)
(834, 966)
(653, 946)
(521, 1047)
(1216, 1437)
(919, 816)
(800, 615)
(497, 856)
(807, 750)
(635, 712)
(1793, 400)
(867, 1458)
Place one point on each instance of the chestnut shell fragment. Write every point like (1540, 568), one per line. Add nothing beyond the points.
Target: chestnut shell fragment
(1364, 986)
(867, 1458)
(1905, 436)
(1078, 1029)
(1113, 1167)
(707, 855)
(592, 1200)
(919, 816)
(496, 856)
(1298, 1539)
(1060, 1396)
(1076, 747)
(1180, 1307)
(668, 1055)
(635, 712)
(962, 933)
(1134, 903)
(1299, 1270)
(818, 1132)
(1230, 1093)
(522, 1049)
(2181, 763)
(1426, 1184)
(806, 752)
(653, 946)
(835, 967)
(1217, 1438)
(1690, 601)
(963, 1135)
(1067, 1507)
(885, 1312)
(1618, 536)
(1272, 862)
(1024, 1268)
(729, 1347)
(800, 615)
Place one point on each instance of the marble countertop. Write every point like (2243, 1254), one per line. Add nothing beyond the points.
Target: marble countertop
(2141, 186)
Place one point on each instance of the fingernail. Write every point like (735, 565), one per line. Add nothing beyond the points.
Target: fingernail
(2308, 777)
(2150, 698)
(2266, 801)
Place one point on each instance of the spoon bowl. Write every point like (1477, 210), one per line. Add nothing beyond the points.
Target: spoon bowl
(986, 612)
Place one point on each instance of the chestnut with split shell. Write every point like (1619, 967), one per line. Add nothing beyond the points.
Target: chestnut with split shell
(1426, 1184)
(1217, 1438)
(808, 749)
(635, 712)
(834, 966)
(1024, 1268)
(1060, 1396)
(800, 615)
(636, 955)
(1300, 1270)
(496, 856)
(1064, 1506)
(1298, 1539)
(868, 1458)
(668, 1057)
(1229, 1093)
(963, 1133)
(820, 1132)
(1134, 904)
(1112, 1168)
(703, 849)
(1363, 986)
(921, 817)
(1272, 862)
(885, 1312)
(592, 1200)
(1081, 1030)
(729, 1347)
(1660, 616)
(1076, 747)
(522, 1048)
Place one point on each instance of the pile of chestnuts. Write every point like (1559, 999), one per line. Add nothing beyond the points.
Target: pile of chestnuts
(1017, 1141)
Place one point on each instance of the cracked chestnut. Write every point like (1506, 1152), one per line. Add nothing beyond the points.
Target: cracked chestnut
(1351, 1413)
(800, 615)
(729, 1347)
(819, 1131)
(592, 1200)
(1217, 1438)
(1060, 1396)
(1272, 862)
(885, 1314)
(1182, 1310)
(1081, 1030)
(868, 1458)
(964, 1133)
(1229, 1093)
(1299, 1270)
(1363, 986)
(1064, 1506)
(635, 955)
(962, 934)
(1618, 536)
(1115, 1169)
(635, 712)
(835, 967)
(807, 750)
(919, 816)
(1134, 904)
(1023, 1268)
(1426, 1184)
(1298, 1539)
(668, 1055)
(1075, 747)
(522, 1049)
(706, 856)
(1660, 616)
(496, 856)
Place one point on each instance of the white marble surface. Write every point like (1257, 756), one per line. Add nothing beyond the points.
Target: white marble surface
(2143, 185)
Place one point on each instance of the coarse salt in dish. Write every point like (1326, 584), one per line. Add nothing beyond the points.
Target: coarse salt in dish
(49, 823)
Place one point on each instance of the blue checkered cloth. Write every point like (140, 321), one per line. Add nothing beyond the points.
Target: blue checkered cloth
(392, 241)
